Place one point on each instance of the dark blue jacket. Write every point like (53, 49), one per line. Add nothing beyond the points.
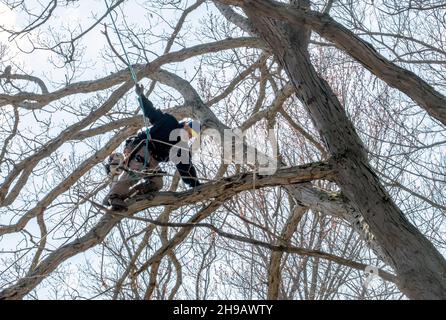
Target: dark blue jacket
(159, 145)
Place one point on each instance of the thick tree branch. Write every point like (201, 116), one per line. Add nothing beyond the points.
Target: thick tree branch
(240, 21)
(33, 101)
(236, 184)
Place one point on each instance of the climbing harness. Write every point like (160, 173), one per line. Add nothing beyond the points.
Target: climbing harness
(135, 80)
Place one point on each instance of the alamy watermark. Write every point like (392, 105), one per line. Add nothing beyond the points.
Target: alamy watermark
(234, 146)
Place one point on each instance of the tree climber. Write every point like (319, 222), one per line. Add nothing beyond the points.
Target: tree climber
(167, 139)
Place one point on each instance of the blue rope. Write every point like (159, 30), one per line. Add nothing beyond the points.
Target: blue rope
(135, 80)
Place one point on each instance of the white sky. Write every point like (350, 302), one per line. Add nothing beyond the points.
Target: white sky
(7, 18)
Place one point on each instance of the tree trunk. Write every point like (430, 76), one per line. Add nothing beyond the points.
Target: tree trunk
(420, 268)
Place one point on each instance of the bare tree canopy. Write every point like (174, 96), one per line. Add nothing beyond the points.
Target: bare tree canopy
(344, 100)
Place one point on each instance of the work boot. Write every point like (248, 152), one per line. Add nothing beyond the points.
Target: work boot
(117, 203)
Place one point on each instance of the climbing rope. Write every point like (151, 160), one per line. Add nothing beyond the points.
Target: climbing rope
(135, 80)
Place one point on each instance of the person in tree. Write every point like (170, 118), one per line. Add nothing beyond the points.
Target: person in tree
(166, 140)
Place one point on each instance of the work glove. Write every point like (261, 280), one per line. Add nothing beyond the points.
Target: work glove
(139, 89)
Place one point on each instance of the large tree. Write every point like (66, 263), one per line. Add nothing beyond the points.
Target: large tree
(352, 91)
